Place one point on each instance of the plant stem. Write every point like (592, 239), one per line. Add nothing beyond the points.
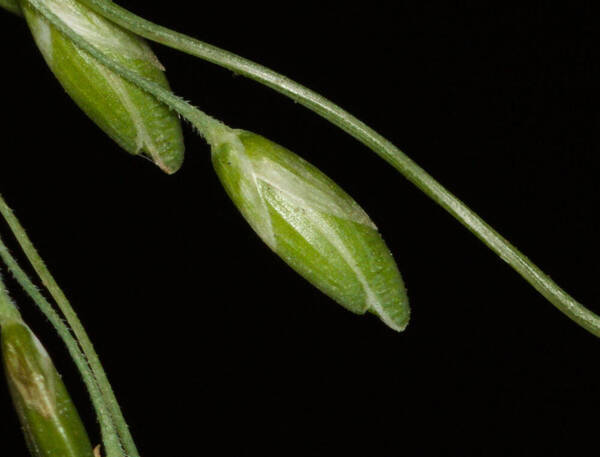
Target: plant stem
(356, 128)
(109, 433)
(112, 423)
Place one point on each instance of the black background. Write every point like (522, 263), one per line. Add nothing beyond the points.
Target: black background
(215, 347)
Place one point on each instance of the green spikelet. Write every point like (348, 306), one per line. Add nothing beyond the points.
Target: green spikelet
(132, 117)
(50, 422)
(316, 227)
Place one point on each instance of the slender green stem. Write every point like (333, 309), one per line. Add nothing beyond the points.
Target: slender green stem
(103, 398)
(109, 432)
(356, 128)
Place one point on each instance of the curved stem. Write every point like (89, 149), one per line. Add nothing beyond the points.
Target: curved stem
(359, 130)
(107, 405)
(107, 427)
